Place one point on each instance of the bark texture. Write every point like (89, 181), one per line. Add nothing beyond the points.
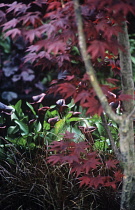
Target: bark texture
(126, 127)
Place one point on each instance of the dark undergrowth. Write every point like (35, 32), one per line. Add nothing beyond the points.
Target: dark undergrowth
(27, 182)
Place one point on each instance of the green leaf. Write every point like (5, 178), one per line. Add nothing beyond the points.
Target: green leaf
(18, 110)
(38, 127)
(46, 126)
(75, 50)
(31, 108)
(31, 145)
(100, 128)
(59, 126)
(22, 141)
(68, 115)
(71, 104)
(75, 62)
(14, 116)
(74, 119)
(18, 106)
(12, 130)
(24, 128)
(133, 59)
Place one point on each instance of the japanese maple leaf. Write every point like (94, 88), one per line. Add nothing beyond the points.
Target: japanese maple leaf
(47, 28)
(80, 148)
(96, 181)
(82, 96)
(31, 18)
(10, 24)
(112, 31)
(30, 57)
(61, 58)
(125, 8)
(69, 32)
(110, 184)
(56, 46)
(118, 176)
(53, 5)
(53, 159)
(112, 81)
(38, 2)
(97, 48)
(67, 90)
(85, 180)
(13, 33)
(51, 46)
(43, 54)
(61, 23)
(68, 135)
(77, 168)
(17, 8)
(31, 34)
(3, 5)
(59, 146)
(90, 164)
(111, 163)
(107, 29)
(94, 106)
(70, 158)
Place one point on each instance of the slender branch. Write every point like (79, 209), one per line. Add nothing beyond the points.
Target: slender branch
(114, 147)
(126, 69)
(89, 68)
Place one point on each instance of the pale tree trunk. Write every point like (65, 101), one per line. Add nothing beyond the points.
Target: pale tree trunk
(125, 122)
(126, 127)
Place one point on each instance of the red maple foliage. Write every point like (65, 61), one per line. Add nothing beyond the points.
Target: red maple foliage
(50, 32)
(91, 169)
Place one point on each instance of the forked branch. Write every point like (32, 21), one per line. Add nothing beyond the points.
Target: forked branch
(89, 68)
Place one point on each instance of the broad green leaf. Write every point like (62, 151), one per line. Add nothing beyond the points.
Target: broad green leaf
(59, 126)
(14, 116)
(100, 128)
(31, 145)
(54, 113)
(74, 119)
(31, 108)
(22, 141)
(68, 116)
(23, 127)
(133, 59)
(12, 130)
(46, 126)
(52, 106)
(18, 106)
(38, 127)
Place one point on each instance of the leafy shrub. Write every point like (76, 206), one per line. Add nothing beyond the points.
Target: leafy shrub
(96, 170)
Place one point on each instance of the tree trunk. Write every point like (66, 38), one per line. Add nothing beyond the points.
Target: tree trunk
(126, 128)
